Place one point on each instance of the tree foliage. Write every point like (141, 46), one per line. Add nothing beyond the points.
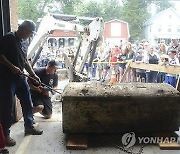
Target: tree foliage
(135, 12)
(92, 9)
(31, 9)
(70, 6)
(162, 5)
(111, 9)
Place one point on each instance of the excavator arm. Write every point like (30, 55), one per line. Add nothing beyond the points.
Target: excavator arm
(91, 34)
(47, 25)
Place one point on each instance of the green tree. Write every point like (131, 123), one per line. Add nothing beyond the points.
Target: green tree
(68, 6)
(111, 9)
(32, 9)
(132, 11)
(92, 9)
(162, 5)
(135, 13)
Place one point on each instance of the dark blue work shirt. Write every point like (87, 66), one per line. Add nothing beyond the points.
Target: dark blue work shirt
(12, 48)
(49, 79)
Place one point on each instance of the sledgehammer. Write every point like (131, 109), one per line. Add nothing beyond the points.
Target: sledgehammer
(44, 85)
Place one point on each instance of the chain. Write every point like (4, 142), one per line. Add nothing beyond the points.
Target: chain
(129, 151)
(122, 148)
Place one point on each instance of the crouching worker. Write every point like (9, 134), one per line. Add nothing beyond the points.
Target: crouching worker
(41, 95)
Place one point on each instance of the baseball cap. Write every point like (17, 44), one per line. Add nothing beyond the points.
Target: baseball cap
(30, 25)
(53, 63)
(172, 51)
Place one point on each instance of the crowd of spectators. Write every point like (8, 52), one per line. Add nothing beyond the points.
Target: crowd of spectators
(116, 58)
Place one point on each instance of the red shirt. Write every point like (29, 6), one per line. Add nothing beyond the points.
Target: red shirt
(114, 55)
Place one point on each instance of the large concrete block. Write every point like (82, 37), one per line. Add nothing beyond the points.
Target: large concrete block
(107, 108)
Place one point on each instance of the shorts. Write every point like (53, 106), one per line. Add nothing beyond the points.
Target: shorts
(141, 74)
(106, 66)
(100, 66)
(122, 66)
(45, 101)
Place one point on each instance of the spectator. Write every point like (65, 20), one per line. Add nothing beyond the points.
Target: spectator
(175, 46)
(106, 66)
(140, 73)
(151, 58)
(114, 55)
(100, 58)
(122, 59)
(129, 56)
(163, 61)
(173, 61)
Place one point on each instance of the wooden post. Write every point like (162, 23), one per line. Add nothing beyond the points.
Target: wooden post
(17, 110)
(178, 83)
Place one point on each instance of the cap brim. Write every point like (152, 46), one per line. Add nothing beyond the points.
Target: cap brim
(57, 65)
(34, 33)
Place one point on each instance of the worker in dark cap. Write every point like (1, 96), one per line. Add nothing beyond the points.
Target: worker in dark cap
(13, 60)
(30, 25)
(41, 95)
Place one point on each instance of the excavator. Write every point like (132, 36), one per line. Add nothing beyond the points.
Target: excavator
(91, 34)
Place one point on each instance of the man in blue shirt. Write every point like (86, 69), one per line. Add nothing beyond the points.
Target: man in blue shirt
(40, 95)
(13, 60)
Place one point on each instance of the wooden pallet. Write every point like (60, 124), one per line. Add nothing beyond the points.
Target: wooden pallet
(76, 142)
(175, 145)
(169, 146)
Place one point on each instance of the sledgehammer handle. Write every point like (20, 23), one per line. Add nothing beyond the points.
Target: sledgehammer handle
(40, 83)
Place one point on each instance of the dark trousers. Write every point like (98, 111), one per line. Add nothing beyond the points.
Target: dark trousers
(8, 90)
(151, 77)
(161, 77)
(94, 67)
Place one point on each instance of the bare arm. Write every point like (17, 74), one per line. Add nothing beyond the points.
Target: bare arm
(29, 68)
(31, 71)
(9, 65)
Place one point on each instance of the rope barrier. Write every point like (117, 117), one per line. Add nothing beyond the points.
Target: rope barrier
(153, 67)
(118, 62)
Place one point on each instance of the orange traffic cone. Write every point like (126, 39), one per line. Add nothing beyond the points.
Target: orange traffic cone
(2, 139)
(113, 76)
